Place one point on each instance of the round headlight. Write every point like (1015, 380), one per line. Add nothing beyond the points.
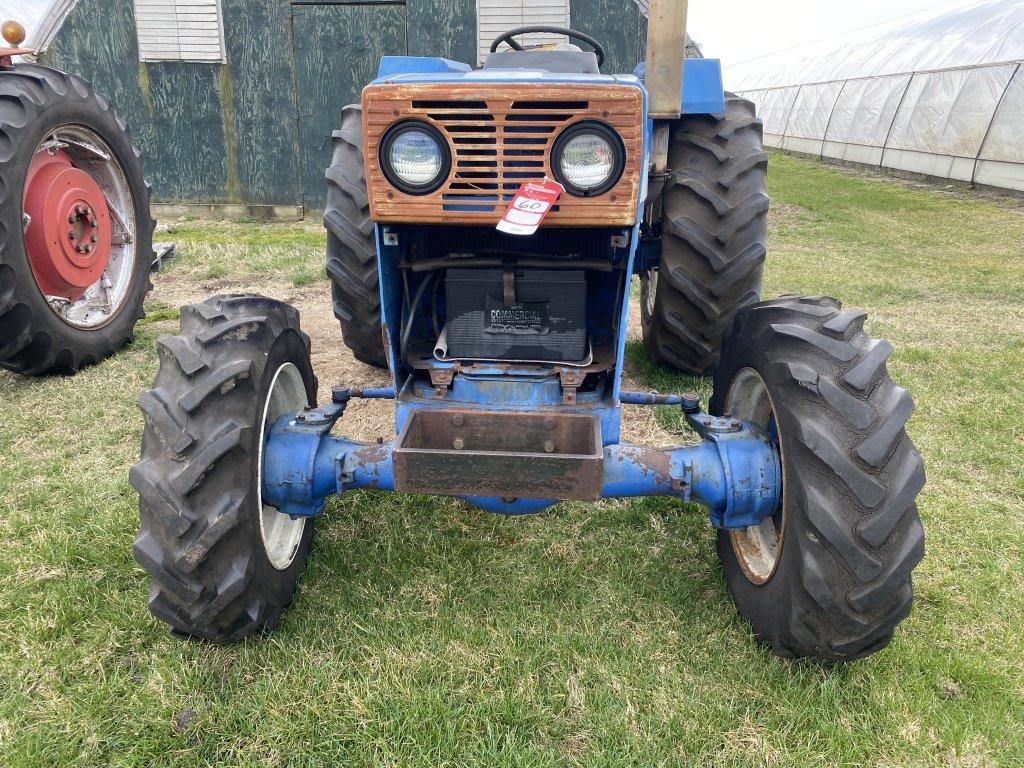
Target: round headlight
(588, 159)
(415, 157)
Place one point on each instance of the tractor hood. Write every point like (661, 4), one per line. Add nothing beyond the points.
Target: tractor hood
(424, 69)
(702, 83)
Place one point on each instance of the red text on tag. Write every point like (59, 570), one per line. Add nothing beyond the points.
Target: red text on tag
(528, 208)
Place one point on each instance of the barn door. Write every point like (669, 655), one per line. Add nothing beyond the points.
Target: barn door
(337, 49)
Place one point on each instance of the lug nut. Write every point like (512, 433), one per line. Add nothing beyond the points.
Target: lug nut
(71, 218)
(92, 222)
(93, 238)
(80, 249)
(458, 443)
(88, 249)
(71, 234)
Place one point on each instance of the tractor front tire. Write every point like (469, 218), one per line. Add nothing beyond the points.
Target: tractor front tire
(829, 577)
(351, 248)
(221, 565)
(714, 235)
(37, 102)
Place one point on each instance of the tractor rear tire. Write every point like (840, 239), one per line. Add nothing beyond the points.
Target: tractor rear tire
(351, 247)
(714, 235)
(34, 340)
(829, 577)
(239, 362)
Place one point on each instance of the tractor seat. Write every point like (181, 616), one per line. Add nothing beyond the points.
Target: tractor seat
(565, 59)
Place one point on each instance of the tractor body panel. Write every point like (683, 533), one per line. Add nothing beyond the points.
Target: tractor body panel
(515, 434)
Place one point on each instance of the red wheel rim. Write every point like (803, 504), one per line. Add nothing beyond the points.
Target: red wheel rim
(69, 232)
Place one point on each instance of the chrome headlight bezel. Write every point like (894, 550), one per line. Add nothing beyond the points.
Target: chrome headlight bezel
(602, 131)
(384, 157)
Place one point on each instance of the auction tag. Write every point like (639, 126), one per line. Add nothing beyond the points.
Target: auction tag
(528, 208)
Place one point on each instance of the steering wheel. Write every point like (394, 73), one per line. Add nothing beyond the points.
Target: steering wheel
(507, 38)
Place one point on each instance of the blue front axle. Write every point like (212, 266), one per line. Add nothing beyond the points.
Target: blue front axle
(734, 471)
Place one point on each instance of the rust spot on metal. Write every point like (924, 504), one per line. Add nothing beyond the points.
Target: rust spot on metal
(500, 454)
(476, 118)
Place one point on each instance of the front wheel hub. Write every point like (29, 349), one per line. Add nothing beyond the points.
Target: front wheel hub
(69, 234)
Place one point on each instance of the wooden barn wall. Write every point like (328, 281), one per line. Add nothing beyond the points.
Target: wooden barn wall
(618, 25)
(256, 130)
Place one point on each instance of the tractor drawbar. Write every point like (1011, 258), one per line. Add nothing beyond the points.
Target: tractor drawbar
(476, 455)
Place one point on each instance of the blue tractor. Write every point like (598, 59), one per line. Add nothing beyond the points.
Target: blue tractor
(485, 226)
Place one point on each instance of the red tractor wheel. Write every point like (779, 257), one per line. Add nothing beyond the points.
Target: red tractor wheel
(73, 283)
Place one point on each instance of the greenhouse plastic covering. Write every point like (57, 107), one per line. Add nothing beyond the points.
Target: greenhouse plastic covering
(940, 94)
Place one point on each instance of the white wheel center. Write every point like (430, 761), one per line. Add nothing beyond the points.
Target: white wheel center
(280, 533)
(758, 548)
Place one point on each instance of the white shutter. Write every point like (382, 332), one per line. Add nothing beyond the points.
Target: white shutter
(497, 16)
(180, 30)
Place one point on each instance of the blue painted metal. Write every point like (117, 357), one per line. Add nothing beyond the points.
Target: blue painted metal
(648, 256)
(735, 471)
(703, 93)
(342, 394)
(688, 401)
(510, 76)
(391, 66)
(510, 389)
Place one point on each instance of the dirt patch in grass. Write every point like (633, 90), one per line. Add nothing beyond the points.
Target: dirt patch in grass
(333, 362)
(783, 213)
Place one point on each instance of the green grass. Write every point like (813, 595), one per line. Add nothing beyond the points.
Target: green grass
(426, 633)
(245, 248)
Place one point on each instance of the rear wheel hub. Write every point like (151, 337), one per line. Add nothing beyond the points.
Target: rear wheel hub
(69, 233)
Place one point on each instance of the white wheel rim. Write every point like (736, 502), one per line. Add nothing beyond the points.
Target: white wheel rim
(281, 534)
(650, 293)
(758, 549)
(102, 300)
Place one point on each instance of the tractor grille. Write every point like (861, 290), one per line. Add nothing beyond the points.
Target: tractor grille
(500, 136)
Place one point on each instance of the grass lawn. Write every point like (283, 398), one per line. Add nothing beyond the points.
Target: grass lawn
(426, 633)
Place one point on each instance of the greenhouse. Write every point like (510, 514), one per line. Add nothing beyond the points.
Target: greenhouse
(939, 94)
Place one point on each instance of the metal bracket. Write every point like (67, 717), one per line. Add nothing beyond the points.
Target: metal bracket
(684, 482)
(440, 380)
(162, 253)
(571, 379)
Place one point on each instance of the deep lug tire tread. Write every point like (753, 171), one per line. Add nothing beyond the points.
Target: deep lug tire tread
(351, 248)
(853, 534)
(195, 478)
(32, 340)
(714, 236)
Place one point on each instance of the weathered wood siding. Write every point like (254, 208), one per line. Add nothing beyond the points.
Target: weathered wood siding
(618, 26)
(337, 48)
(256, 129)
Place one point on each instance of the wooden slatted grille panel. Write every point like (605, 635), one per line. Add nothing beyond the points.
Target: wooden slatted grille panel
(500, 135)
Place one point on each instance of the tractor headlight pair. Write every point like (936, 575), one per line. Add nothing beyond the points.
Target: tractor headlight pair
(587, 158)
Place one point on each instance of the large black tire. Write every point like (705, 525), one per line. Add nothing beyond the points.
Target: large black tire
(199, 513)
(714, 235)
(351, 250)
(34, 100)
(850, 531)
